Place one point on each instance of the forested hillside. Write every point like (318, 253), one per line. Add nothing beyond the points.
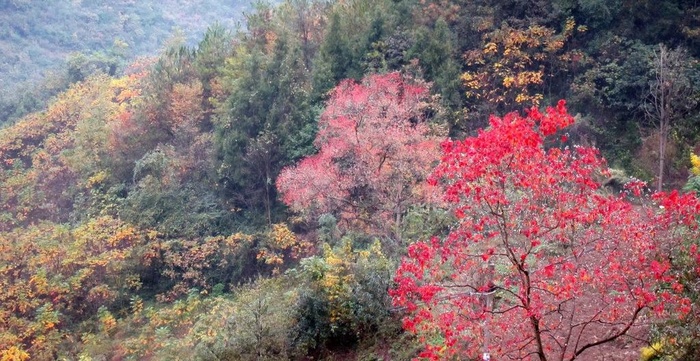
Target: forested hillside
(362, 180)
(38, 39)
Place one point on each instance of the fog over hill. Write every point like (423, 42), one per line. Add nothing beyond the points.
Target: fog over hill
(38, 37)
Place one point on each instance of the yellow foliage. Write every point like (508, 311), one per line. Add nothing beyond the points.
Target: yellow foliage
(107, 322)
(569, 26)
(695, 162)
(282, 237)
(97, 179)
(470, 80)
(62, 270)
(490, 48)
(133, 282)
(338, 277)
(39, 282)
(508, 81)
(126, 88)
(13, 353)
(136, 305)
(512, 65)
(652, 351)
(281, 240)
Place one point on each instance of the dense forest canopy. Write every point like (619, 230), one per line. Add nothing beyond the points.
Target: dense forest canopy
(360, 179)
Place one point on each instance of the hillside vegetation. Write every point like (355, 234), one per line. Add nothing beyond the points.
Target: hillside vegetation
(357, 180)
(38, 39)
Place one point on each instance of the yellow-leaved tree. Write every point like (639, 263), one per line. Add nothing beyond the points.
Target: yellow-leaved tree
(512, 68)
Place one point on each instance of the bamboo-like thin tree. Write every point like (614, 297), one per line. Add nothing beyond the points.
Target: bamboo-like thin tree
(669, 97)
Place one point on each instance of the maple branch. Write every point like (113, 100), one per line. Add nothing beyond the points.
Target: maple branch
(522, 357)
(612, 337)
(504, 311)
(538, 337)
(569, 332)
(523, 346)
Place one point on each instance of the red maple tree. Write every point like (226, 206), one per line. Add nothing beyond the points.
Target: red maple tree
(543, 264)
(375, 153)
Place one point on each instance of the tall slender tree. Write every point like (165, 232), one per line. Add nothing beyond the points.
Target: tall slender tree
(669, 98)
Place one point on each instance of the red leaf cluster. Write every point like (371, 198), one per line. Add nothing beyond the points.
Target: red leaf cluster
(543, 264)
(375, 152)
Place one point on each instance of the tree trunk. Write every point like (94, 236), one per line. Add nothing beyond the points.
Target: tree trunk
(662, 156)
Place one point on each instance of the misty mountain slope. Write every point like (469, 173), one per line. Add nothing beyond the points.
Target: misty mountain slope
(38, 36)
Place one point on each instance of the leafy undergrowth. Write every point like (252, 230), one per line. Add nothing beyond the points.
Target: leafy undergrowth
(333, 307)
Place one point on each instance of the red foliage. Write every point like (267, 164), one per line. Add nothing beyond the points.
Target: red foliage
(375, 152)
(553, 266)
